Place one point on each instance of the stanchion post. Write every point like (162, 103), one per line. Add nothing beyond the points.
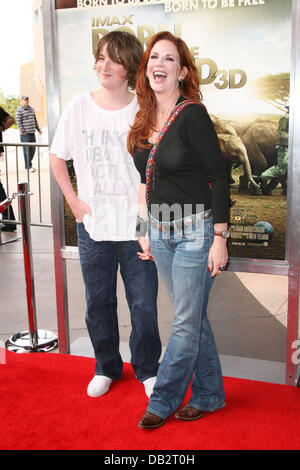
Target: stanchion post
(33, 340)
(28, 265)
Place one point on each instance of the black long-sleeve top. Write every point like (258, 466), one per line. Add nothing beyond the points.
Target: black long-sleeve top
(188, 168)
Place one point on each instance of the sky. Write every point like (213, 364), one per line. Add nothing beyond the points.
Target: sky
(16, 42)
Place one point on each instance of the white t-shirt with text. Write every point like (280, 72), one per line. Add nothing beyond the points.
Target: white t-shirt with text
(107, 180)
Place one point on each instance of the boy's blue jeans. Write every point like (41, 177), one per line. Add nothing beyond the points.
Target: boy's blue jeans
(99, 263)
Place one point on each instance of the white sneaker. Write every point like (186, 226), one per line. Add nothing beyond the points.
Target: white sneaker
(98, 386)
(149, 384)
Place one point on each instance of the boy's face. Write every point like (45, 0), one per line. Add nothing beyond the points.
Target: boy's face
(110, 74)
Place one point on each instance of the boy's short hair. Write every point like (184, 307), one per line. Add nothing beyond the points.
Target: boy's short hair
(123, 48)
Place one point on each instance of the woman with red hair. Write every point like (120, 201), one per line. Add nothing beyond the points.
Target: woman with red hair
(182, 222)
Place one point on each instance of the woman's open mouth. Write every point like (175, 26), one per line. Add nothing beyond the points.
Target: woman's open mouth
(159, 76)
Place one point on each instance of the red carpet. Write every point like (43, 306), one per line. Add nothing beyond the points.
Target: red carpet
(44, 406)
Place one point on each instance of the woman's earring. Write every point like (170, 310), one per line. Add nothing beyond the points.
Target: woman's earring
(180, 83)
(146, 80)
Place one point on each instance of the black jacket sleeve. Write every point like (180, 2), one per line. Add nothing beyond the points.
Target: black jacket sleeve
(202, 138)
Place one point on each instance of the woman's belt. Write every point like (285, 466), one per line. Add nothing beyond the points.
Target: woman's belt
(179, 224)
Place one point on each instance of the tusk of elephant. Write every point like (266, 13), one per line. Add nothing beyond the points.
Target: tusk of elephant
(255, 184)
(247, 169)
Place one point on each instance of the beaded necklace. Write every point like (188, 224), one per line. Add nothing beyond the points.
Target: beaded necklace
(150, 162)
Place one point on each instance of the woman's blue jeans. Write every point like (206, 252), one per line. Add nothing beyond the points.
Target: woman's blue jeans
(181, 258)
(99, 263)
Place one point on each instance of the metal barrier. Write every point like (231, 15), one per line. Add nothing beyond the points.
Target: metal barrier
(13, 172)
(33, 340)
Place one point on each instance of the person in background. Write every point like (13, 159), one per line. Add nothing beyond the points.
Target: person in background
(6, 121)
(184, 190)
(93, 132)
(270, 178)
(27, 123)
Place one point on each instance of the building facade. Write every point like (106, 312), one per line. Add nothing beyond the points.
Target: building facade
(32, 75)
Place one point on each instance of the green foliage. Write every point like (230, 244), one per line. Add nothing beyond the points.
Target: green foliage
(10, 105)
(274, 89)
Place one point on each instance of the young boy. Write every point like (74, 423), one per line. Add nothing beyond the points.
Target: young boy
(93, 132)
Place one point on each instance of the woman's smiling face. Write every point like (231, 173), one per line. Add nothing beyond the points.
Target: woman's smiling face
(163, 68)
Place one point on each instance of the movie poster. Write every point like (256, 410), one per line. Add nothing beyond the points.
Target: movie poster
(242, 51)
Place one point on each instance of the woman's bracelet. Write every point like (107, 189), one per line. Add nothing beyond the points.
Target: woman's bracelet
(141, 227)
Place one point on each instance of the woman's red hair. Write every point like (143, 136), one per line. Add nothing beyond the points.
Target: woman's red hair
(145, 119)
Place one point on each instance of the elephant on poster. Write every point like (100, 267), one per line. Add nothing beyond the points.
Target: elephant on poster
(251, 144)
(260, 140)
(233, 150)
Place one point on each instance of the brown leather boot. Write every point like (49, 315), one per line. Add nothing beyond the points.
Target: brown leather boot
(188, 413)
(151, 421)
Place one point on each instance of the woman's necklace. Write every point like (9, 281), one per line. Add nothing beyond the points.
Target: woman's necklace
(166, 115)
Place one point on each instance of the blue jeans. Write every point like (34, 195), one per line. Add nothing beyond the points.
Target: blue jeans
(191, 353)
(99, 263)
(28, 151)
